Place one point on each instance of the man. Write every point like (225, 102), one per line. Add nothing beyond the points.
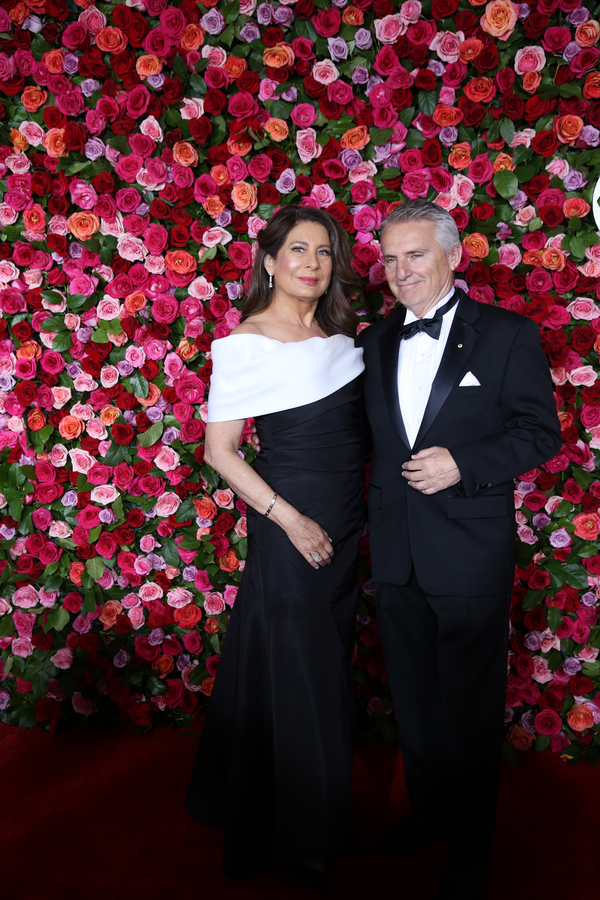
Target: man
(459, 399)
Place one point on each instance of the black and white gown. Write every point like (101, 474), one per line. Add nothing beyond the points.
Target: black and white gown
(275, 756)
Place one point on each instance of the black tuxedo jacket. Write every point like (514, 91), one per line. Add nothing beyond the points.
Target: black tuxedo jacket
(461, 540)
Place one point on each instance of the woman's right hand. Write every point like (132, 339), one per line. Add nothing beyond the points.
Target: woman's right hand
(309, 538)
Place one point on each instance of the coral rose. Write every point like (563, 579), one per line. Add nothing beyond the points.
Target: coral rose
(477, 245)
(568, 128)
(192, 38)
(180, 261)
(243, 196)
(519, 738)
(184, 154)
(460, 156)
(580, 718)
(278, 56)
(71, 427)
(83, 225)
(147, 65)
(503, 162)
(552, 259)
(500, 18)
(574, 206)
(54, 143)
(355, 138)
(591, 88)
(277, 129)
(111, 40)
(587, 34)
(33, 97)
(480, 90)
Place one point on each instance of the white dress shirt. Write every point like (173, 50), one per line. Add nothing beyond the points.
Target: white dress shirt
(418, 361)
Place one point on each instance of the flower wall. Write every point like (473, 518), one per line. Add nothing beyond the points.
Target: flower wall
(142, 148)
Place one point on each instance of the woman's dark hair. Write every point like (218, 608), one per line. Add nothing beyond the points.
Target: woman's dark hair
(333, 314)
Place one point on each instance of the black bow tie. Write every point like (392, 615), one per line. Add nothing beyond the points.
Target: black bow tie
(432, 326)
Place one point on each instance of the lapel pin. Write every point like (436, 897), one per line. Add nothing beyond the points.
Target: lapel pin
(460, 346)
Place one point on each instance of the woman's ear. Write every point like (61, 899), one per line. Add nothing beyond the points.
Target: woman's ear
(269, 264)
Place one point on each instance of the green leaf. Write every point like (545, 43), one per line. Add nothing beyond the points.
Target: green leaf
(62, 342)
(53, 583)
(577, 246)
(507, 130)
(169, 552)
(427, 101)
(99, 336)
(494, 131)
(390, 172)
(7, 626)
(380, 136)
(139, 384)
(506, 183)
(151, 436)
(76, 301)
(542, 741)
(95, 567)
(532, 599)
(155, 686)
(59, 617)
(115, 454)
(186, 511)
(233, 12)
(15, 508)
(89, 601)
(575, 575)
(54, 323)
(554, 618)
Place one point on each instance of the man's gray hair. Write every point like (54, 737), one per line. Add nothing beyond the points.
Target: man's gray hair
(419, 210)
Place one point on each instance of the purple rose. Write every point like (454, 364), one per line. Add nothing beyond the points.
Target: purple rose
(250, 32)
(286, 182)
(264, 14)
(363, 39)
(213, 22)
(338, 48)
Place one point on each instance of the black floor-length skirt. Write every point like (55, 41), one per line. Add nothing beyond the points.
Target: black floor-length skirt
(275, 756)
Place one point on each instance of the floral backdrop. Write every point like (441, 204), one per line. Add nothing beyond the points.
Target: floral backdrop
(142, 148)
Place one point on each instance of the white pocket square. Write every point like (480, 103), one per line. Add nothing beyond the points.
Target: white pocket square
(470, 381)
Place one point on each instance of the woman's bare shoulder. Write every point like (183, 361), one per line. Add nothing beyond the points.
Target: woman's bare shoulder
(252, 325)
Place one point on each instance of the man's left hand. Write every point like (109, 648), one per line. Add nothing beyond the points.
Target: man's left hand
(431, 470)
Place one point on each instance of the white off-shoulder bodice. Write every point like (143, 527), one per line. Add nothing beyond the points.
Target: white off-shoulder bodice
(254, 375)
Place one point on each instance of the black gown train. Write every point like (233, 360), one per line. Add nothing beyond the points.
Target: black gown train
(275, 756)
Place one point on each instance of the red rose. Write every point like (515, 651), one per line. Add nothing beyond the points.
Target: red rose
(539, 579)
(426, 80)
(545, 143)
(580, 685)
(536, 108)
(136, 29)
(444, 9)
(535, 25)
(91, 64)
(327, 22)
(172, 91)
(122, 432)
(267, 193)
(314, 88)
(548, 721)
(124, 535)
(272, 36)
(304, 9)
(223, 523)
(551, 215)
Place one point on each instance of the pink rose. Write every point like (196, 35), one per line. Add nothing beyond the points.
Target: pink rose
(529, 59)
(179, 597)
(214, 603)
(167, 459)
(22, 647)
(224, 498)
(63, 658)
(390, 28)
(509, 255)
(104, 494)
(167, 504)
(304, 115)
(308, 147)
(584, 375)
(325, 72)
(446, 44)
(583, 308)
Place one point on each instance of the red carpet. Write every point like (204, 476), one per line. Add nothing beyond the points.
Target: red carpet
(97, 815)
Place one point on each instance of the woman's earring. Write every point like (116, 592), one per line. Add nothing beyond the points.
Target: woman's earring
(270, 280)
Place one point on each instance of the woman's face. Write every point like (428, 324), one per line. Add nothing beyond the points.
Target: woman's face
(302, 269)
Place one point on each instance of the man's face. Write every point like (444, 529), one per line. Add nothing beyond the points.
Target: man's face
(418, 270)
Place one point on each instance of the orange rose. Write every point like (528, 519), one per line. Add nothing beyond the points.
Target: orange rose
(477, 2)
(470, 49)
(234, 66)
(587, 526)
(110, 610)
(460, 156)
(277, 129)
(576, 206)
(503, 162)
(213, 206)
(29, 350)
(34, 219)
(19, 140)
(481, 89)
(531, 82)
(187, 616)
(163, 665)
(229, 561)
(184, 154)
(220, 174)
(519, 738)
(205, 507)
(76, 570)
(353, 16)
(568, 128)
(192, 38)
(154, 392)
(33, 97)
(477, 245)
(71, 427)
(533, 258)
(111, 40)
(36, 420)
(278, 56)
(241, 147)
(580, 718)
(500, 18)
(591, 88)
(53, 60)
(180, 261)
(54, 143)
(83, 225)
(553, 259)
(109, 415)
(587, 34)
(355, 138)
(243, 196)
(147, 65)
(19, 13)
(185, 350)
(447, 116)
(134, 302)
(207, 686)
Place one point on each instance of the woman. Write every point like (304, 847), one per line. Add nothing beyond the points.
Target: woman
(275, 757)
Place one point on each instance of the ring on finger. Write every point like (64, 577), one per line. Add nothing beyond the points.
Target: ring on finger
(316, 557)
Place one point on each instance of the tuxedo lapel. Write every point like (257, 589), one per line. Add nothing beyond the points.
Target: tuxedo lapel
(389, 349)
(461, 341)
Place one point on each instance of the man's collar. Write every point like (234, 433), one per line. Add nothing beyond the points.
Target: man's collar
(410, 316)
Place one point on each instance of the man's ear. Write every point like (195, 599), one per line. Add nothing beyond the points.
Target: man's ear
(455, 256)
